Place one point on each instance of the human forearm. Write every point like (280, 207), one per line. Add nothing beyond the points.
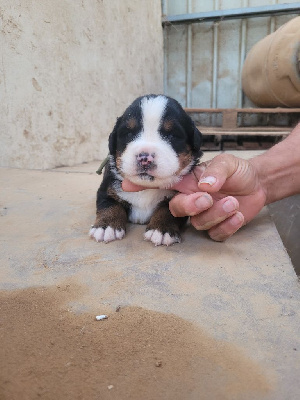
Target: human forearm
(278, 169)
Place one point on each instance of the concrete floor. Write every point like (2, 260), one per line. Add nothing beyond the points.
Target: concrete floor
(244, 291)
(286, 215)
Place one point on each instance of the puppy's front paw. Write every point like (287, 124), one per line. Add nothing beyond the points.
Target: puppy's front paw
(107, 234)
(159, 238)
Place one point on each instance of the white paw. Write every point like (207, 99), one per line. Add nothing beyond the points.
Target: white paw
(158, 238)
(106, 235)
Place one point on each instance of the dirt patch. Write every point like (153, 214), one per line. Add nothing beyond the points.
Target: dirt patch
(49, 352)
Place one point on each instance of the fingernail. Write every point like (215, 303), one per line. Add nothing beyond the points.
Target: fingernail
(229, 206)
(203, 202)
(211, 180)
(237, 219)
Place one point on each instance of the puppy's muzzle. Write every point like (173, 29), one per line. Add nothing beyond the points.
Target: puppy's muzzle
(145, 161)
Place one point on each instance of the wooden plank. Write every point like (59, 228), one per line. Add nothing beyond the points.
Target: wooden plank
(253, 131)
(229, 120)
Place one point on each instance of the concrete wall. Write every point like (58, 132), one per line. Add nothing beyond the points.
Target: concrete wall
(68, 68)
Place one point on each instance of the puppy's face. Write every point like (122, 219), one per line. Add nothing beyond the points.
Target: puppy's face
(154, 143)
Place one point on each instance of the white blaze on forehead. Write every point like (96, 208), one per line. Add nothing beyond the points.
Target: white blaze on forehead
(152, 112)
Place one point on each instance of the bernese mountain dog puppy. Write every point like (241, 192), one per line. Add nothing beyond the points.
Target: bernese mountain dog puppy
(154, 144)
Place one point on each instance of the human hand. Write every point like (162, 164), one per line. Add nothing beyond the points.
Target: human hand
(220, 195)
(235, 188)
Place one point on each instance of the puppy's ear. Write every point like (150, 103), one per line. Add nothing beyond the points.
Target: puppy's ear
(112, 140)
(194, 135)
(197, 138)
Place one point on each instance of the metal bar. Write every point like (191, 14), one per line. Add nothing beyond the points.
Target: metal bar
(164, 8)
(243, 39)
(272, 20)
(243, 43)
(189, 67)
(189, 60)
(165, 71)
(277, 110)
(235, 13)
(215, 65)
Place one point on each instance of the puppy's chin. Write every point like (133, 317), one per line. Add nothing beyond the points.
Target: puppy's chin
(150, 181)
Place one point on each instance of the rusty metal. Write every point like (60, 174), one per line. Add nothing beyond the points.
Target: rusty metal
(235, 13)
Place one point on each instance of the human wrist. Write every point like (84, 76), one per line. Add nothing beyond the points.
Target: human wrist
(278, 169)
(264, 177)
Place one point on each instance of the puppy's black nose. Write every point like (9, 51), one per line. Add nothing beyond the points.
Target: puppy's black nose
(145, 160)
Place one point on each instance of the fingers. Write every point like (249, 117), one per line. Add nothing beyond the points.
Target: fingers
(222, 220)
(227, 228)
(220, 211)
(182, 205)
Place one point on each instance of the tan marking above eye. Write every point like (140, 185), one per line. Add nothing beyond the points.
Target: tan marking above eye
(184, 160)
(131, 123)
(168, 125)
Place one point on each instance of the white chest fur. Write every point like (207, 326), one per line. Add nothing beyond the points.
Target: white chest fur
(144, 203)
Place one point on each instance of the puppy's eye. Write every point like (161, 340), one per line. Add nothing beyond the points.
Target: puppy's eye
(169, 134)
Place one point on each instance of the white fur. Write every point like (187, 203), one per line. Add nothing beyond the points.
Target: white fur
(150, 141)
(106, 235)
(158, 238)
(144, 202)
(152, 111)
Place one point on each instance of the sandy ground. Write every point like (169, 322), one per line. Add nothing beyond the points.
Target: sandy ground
(51, 353)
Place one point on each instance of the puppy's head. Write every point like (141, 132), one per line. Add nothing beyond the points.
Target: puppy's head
(154, 143)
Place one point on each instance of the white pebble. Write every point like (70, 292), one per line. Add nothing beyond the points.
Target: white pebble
(110, 387)
(100, 317)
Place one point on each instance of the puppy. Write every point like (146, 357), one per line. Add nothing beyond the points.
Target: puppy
(154, 144)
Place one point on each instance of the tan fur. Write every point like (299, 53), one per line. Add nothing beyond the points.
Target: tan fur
(131, 123)
(168, 125)
(184, 160)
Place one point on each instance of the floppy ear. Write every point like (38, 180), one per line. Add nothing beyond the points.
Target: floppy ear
(194, 135)
(112, 140)
(197, 138)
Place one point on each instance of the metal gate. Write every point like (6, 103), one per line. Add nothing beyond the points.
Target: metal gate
(206, 43)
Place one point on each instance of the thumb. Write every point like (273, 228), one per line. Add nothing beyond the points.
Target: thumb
(213, 174)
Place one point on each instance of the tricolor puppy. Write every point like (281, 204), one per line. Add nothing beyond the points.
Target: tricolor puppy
(154, 144)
